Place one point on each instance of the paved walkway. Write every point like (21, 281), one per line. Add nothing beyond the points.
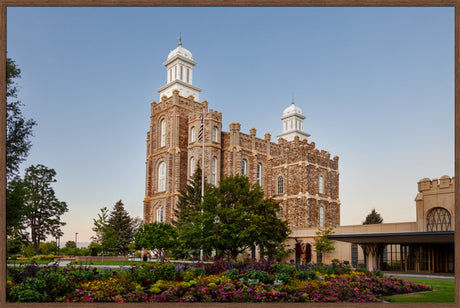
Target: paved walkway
(436, 276)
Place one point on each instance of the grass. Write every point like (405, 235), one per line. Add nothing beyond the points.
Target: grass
(443, 292)
(28, 261)
(125, 263)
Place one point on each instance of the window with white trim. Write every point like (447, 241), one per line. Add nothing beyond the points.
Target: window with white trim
(214, 171)
(321, 216)
(280, 185)
(160, 214)
(214, 133)
(321, 184)
(243, 166)
(192, 166)
(193, 134)
(162, 176)
(162, 133)
(259, 174)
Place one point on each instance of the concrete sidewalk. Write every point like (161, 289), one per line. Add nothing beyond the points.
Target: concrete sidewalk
(436, 276)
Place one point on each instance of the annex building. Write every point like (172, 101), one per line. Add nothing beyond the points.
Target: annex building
(292, 170)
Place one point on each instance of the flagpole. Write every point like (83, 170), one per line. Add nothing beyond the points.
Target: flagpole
(202, 184)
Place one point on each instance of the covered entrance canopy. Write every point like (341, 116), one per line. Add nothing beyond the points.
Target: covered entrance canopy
(418, 251)
(437, 237)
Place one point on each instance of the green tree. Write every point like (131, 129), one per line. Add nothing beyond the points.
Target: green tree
(123, 228)
(18, 129)
(42, 211)
(105, 237)
(322, 243)
(188, 214)
(246, 218)
(160, 237)
(15, 200)
(373, 218)
(48, 248)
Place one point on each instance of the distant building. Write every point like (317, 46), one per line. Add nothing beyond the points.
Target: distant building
(304, 179)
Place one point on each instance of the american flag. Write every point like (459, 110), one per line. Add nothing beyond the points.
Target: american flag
(201, 132)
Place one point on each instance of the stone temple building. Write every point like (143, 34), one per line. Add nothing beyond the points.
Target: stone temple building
(291, 169)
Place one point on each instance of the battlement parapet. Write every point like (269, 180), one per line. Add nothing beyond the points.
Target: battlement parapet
(434, 185)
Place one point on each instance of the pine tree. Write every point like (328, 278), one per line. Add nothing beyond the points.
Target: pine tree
(122, 227)
(373, 218)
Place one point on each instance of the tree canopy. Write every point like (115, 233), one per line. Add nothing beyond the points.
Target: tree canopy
(245, 217)
(373, 218)
(18, 128)
(322, 243)
(114, 231)
(42, 210)
(160, 237)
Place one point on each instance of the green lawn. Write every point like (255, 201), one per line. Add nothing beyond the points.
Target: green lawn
(443, 292)
(28, 261)
(125, 263)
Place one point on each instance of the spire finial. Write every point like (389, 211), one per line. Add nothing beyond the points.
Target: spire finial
(180, 38)
(293, 97)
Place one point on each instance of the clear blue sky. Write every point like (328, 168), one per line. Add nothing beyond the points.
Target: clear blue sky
(376, 85)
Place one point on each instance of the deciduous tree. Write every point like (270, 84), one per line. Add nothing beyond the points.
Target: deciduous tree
(18, 128)
(42, 211)
(160, 237)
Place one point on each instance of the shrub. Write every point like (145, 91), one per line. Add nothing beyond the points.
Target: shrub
(233, 274)
(283, 268)
(284, 277)
(260, 275)
(306, 275)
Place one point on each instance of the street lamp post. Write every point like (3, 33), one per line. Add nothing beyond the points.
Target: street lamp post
(216, 221)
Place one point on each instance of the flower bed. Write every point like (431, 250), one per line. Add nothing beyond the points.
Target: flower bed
(223, 281)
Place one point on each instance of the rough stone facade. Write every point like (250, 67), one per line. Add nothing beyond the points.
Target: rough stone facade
(297, 164)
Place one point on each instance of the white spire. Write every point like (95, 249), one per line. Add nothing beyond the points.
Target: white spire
(179, 73)
(293, 123)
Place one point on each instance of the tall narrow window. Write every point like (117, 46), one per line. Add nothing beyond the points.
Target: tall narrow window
(162, 177)
(321, 216)
(188, 75)
(214, 133)
(181, 69)
(192, 166)
(162, 133)
(175, 72)
(169, 75)
(243, 166)
(160, 214)
(321, 184)
(259, 174)
(214, 171)
(193, 134)
(280, 185)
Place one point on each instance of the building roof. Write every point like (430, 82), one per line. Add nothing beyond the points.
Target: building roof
(437, 237)
(180, 51)
(291, 110)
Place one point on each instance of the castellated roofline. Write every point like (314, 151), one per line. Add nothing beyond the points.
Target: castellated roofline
(425, 184)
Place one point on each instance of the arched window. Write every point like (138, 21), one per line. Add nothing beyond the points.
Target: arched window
(321, 184)
(243, 166)
(280, 185)
(192, 166)
(161, 214)
(214, 171)
(162, 177)
(214, 133)
(193, 134)
(280, 213)
(162, 133)
(321, 217)
(259, 174)
(438, 219)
